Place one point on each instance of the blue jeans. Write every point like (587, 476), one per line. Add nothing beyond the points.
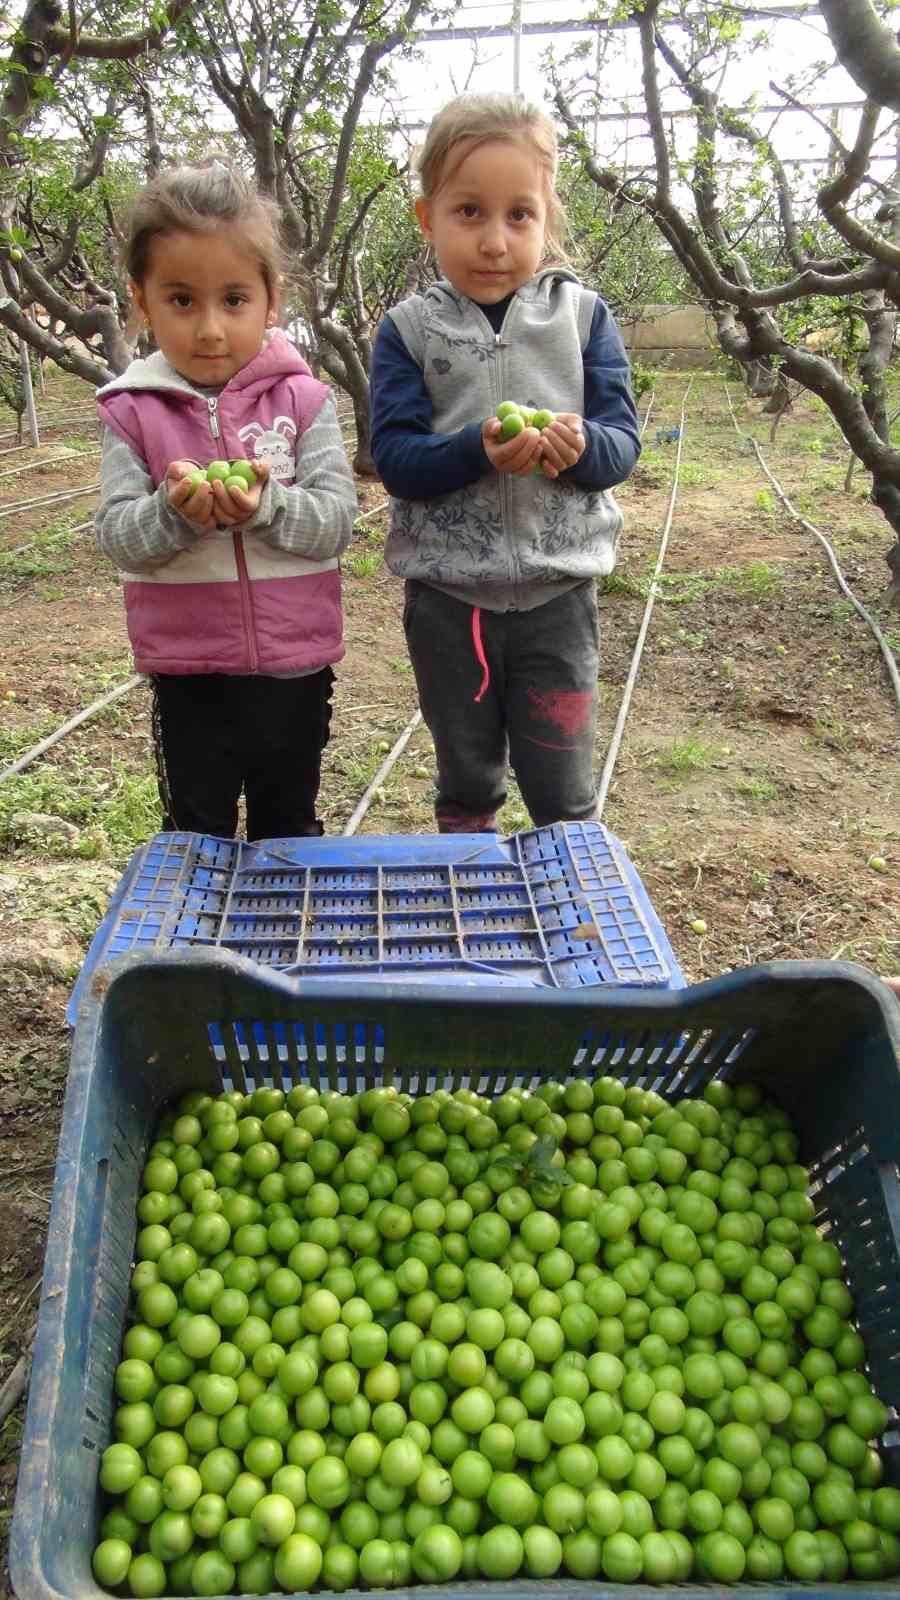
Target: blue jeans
(507, 687)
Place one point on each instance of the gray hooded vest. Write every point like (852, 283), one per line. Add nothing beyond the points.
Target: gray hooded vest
(503, 542)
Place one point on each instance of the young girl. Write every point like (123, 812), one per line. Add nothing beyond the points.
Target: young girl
(232, 598)
(500, 542)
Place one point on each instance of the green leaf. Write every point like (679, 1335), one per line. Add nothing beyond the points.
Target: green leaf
(542, 1150)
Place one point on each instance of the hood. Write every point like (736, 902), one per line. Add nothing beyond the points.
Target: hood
(540, 287)
(277, 358)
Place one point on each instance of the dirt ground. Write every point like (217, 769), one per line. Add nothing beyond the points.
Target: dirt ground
(756, 788)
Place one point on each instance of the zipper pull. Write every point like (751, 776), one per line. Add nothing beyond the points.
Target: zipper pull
(212, 405)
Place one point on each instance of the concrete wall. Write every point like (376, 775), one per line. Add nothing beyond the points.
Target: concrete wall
(682, 336)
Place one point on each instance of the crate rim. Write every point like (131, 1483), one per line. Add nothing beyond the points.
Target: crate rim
(622, 998)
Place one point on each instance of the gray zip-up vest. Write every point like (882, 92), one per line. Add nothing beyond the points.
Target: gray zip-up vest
(503, 542)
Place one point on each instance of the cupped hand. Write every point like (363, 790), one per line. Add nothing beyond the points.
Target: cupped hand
(193, 502)
(562, 442)
(517, 456)
(232, 506)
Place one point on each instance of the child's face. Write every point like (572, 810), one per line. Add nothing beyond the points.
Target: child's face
(206, 300)
(487, 220)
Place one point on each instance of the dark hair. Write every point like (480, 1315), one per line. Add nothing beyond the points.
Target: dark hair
(202, 199)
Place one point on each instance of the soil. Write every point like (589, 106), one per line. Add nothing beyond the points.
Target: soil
(756, 788)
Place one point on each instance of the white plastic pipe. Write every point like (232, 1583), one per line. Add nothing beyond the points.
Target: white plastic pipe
(886, 651)
(618, 730)
(49, 499)
(67, 727)
(392, 756)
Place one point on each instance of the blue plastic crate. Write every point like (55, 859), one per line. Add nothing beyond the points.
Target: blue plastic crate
(823, 1037)
(559, 906)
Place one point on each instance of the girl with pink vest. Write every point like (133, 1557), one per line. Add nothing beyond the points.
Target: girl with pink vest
(232, 597)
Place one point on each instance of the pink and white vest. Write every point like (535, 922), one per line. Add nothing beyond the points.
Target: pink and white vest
(233, 603)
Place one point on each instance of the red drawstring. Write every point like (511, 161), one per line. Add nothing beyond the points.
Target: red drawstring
(480, 656)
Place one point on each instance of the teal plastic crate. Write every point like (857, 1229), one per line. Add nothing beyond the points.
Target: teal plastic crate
(823, 1038)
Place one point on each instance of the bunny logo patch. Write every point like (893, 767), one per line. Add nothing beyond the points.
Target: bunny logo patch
(275, 445)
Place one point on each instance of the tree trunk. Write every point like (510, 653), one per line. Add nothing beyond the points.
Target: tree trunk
(341, 361)
(882, 325)
(29, 58)
(358, 391)
(28, 393)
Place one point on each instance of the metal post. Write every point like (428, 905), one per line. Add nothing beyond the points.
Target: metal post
(597, 64)
(28, 389)
(517, 46)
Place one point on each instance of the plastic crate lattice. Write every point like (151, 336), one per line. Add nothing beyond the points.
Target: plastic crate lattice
(561, 907)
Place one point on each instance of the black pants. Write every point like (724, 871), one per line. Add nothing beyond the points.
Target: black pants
(538, 709)
(216, 735)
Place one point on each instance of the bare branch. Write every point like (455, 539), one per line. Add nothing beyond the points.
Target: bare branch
(872, 275)
(98, 319)
(318, 84)
(71, 46)
(127, 46)
(647, 31)
(847, 181)
(96, 158)
(834, 194)
(351, 237)
(808, 111)
(373, 53)
(46, 344)
(705, 188)
(154, 148)
(60, 261)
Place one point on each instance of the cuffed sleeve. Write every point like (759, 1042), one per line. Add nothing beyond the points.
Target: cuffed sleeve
(612, 437)
(415, 463)
(135, 526)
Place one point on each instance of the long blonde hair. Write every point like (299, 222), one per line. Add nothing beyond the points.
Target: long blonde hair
(472, 120)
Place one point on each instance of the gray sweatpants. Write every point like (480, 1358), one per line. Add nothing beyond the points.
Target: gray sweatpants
(507, 687)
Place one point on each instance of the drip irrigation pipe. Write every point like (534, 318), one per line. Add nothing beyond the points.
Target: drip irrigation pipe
(393, 755)
(14, 449)
(46, 424)
(51, 538)
(49, 499)
(868, 619)
(49, 462)
(67, 727)
(366, 516)
(618, 730)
